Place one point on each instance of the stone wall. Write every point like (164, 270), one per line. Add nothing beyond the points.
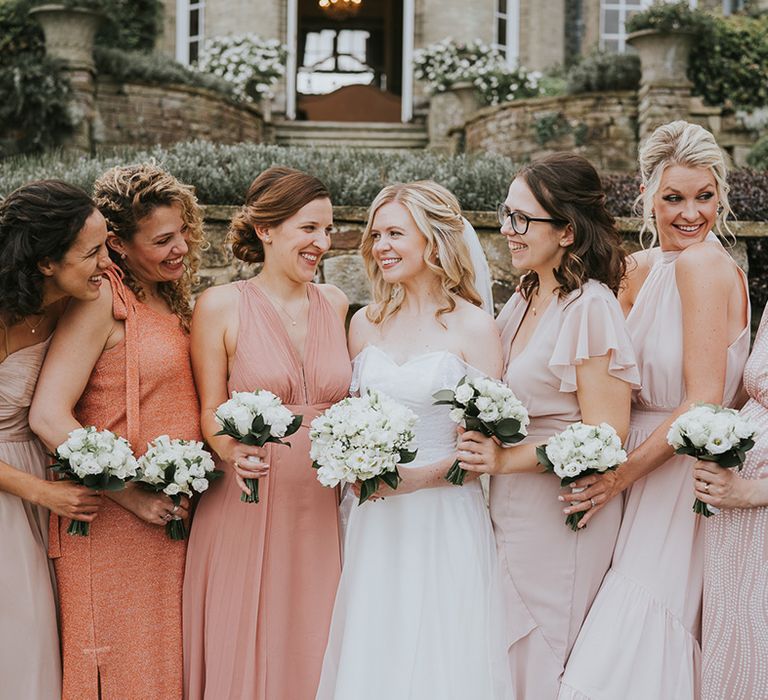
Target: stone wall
(343, 265)
(600, 126)
(134, 113)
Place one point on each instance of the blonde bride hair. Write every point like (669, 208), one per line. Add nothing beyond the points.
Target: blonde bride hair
(437, 216)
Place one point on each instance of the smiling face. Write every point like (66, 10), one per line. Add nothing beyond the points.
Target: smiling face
(298, 244)
(156, 252)
(685, 206)
(540, 248)
(398, 245)
(79, 273)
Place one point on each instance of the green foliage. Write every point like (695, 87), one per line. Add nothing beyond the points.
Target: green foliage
(127, 66)
(600, 72)
(731, 62)
(758, 156)
(550, 126)
(670, 17)
(19, 33)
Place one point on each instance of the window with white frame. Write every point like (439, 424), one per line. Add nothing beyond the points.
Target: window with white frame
(196, 10)
(190, 17)
(505, 30)
(613, 35)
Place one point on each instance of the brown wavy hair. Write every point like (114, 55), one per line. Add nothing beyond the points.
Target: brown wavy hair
(569, 188)
(437, 216)
(126, 195)
(274, 196)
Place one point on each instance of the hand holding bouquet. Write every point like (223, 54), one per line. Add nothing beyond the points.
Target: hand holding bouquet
(362, 439)
(713, 434)
(487, 406)
(176, 467)
(256, 418)
(97, 459)
(581, 450)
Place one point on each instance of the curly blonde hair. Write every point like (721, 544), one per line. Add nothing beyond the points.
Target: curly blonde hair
(437, 216)
(126, 195)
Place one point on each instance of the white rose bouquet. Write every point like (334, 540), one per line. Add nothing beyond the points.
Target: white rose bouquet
(581, 450)
(256, 418)
(97, 459)
(176, 467)
(487, 406)
(362, 439)
(713, 434)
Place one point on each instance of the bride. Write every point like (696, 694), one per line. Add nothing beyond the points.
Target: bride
(418, 613)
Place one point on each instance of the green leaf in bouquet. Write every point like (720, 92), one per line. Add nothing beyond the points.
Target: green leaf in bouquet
(367, 489)
(391, 479)
(257, 426)
(541, 456)
(474, 423)
(729, 459)
(443, 397)
(407, 456)
(294, 425)
(508, 430)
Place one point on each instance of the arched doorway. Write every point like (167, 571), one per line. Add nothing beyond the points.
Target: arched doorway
(351, 67)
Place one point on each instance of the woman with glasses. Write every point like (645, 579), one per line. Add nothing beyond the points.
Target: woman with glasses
(568, 359)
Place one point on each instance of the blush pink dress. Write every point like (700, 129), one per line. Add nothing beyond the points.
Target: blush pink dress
(261, 578)
(735, 614)
(29, 639)
(641, 638)
(550, 573)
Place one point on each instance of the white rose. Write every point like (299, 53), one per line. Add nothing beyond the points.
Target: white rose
(200, 485)
(463, 393)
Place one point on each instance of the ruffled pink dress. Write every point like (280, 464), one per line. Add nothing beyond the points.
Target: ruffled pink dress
(735, 618)
(641, 639)
(550, 573)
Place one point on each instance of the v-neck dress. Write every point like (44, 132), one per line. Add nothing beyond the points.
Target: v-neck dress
(550, 573)
(261, 578)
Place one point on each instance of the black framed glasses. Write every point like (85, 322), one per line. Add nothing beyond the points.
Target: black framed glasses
(521, 221)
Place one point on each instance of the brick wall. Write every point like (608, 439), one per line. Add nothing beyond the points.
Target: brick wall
(600, 126)
(133, 113)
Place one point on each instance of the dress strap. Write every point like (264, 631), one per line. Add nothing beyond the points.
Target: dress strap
(6, 335)
(124, 309)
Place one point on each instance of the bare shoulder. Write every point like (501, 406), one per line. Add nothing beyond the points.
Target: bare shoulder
(703, 264)
(335, 297)
(362, 331)
(474, 320)
(97, 312)
(215, 301)
(638, 266)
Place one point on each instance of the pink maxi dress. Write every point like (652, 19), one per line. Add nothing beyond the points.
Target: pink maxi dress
(261, 578)
(641, 638)
(735, 617)
(550, 573)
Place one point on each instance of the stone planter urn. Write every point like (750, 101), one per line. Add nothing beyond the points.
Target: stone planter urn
(69, 33)
(448, 112)
(663, 56)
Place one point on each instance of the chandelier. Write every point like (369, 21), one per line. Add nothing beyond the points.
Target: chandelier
(340, 9)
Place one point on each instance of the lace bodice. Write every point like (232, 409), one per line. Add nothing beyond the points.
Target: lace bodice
(412, 383)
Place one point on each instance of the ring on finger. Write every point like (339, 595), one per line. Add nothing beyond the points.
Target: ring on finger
(592, 501)
(705, 488)
(175, 508)
(167, 517)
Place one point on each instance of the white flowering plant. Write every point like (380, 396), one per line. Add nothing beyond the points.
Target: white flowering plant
(256, 418)
(252, 64)
(176, 468)
(487, 406)
(363, 438)
(448, 62)
(713, 434)
(581, 450)
(98, 459)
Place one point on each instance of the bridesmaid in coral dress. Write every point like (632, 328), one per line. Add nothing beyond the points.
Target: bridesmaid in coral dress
(734, 643)
(261, 578)
(51, 233)
(689, 322)
(122, 363)
(568, 358)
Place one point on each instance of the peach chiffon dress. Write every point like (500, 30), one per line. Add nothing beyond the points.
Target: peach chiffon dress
(735, 615)
(550, 573)
(120, 587)
(29, 638)
(261, 578)
(641, 638)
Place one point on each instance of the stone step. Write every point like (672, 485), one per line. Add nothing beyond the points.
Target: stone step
(389, 136)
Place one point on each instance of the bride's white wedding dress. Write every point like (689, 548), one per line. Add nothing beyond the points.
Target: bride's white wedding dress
(418, 613)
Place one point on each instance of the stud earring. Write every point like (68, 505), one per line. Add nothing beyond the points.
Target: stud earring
(123, 256)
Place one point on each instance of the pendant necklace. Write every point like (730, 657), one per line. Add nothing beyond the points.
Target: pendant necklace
(33, 328)
(284, 310)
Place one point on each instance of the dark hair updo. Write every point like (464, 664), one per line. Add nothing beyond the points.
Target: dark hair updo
(274, 196)
(39, 222)
(569, 188)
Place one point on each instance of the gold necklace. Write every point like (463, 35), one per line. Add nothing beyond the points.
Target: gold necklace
(275, 301)
(32, 328)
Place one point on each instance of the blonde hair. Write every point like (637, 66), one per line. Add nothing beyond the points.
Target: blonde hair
(126, 195)
(688, 145)
(437, 216)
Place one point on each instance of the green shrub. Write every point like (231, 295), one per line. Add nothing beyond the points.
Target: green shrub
(670, 17)
(127, 66)
(758, 156)
(600, 71)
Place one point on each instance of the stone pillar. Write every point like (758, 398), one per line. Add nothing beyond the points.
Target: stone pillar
(69, 38)
(448, 112)
(665, 91)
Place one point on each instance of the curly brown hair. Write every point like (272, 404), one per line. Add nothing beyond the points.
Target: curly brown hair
(569, 188)
(126, 195)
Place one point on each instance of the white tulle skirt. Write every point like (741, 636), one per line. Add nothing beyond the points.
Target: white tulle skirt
(418, 613)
